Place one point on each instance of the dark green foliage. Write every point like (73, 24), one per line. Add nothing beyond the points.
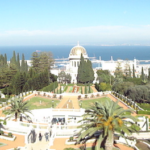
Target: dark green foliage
(118, 73)
(26, 87)
(35, 61)
(142, 74)
(18, 62)
(13, 60)
(10, 134)
(53, 77)
(138, 93)
(85, 89)
(42, 61)
(81, 90)
(89, 89)
(133, 72)
(50, 87)
(64, 77)
(105, 76)
(85, 71)
(1, 132)
(136, 81)
(71, 138)
(23, 64)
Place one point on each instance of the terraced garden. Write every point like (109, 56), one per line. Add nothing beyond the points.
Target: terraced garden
(39, 103)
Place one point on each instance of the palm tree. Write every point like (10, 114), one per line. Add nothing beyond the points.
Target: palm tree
(18, 107)
(103, 120)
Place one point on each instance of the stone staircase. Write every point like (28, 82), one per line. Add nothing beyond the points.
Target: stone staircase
(73, 98)
(38, 145)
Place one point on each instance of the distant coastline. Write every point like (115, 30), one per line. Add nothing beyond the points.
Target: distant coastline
(62, 51)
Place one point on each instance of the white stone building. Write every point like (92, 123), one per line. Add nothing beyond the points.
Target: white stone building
(73, 63)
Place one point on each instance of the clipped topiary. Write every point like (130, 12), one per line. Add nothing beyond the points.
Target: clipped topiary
(10, 134)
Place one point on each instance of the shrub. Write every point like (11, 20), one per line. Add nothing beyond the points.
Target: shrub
(92, 96)
(97, 95)
(1, 132)
(71, 138)
(86, 96)
(54, 96)
(79, 97)
(69, 148)
(10, 134)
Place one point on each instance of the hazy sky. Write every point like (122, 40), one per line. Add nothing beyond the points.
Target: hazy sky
(92, 22)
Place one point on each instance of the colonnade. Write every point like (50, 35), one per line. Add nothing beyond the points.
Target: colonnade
(75, 63)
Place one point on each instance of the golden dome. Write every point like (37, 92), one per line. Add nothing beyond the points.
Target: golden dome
(77, 50)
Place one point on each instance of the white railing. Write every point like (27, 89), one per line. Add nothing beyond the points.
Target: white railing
(133, 103)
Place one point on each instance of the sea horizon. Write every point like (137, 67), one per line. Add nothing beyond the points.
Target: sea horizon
(62, 51)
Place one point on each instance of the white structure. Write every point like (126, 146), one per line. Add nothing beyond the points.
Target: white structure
(73, 63)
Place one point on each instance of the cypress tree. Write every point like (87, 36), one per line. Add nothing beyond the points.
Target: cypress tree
(81, 70)
(13, 59)
(89, 89)
(129, 72)
(26, 87)
(23, 69)
(90, 72)
(60, 90)
(85, 71)
(142, 74)
(85, 89)
(35, 61)
(81, 90)
(133, 72)
(5, 60)
(18, 62)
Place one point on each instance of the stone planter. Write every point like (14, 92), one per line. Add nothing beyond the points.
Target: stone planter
(1, 105)
(8, 138)
(73, 142)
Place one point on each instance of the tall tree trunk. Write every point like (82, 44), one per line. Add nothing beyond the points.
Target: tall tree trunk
(21, 117)
(109, 141)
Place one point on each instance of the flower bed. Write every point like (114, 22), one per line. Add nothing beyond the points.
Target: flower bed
(74, 141)
(9, 136)
(5, 137)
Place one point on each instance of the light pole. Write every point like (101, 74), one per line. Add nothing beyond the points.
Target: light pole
(52, 103)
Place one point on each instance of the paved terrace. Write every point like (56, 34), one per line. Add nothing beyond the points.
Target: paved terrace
(20, 141)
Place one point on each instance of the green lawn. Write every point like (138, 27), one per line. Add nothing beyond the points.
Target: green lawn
(34, 103)
(87, 103)
(2, 144)
(145, 106)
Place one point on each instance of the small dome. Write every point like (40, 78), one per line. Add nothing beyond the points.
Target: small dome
(77, 50)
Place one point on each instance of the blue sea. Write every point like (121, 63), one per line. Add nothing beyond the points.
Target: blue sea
(62, 51)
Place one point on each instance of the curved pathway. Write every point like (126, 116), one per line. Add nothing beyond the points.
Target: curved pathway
(62, 145)
(120, 103)
(73, 98)
(19, 141)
